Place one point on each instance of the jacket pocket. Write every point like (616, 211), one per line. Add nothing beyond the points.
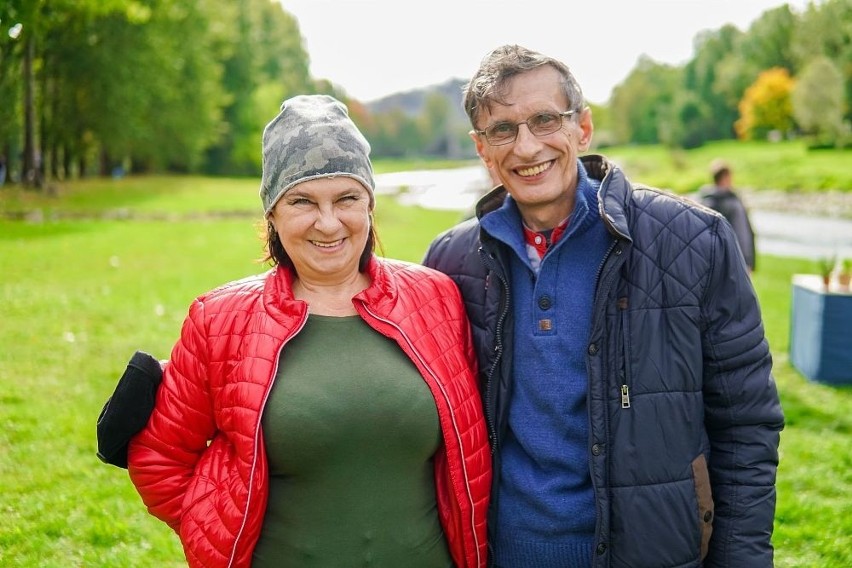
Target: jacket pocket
(623, 337)
(206, 479)
(704, 496)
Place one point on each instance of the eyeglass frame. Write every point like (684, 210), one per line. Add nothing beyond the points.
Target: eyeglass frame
(562, 115)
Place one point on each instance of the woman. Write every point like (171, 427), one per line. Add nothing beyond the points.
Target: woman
(324, 413)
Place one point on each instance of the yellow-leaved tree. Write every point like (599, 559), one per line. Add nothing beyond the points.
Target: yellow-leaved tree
(766, 105)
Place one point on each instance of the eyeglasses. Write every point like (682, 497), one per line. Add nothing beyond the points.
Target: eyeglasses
(540, 124)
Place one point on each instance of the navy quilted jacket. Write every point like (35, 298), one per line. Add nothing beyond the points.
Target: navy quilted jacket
(683, 411)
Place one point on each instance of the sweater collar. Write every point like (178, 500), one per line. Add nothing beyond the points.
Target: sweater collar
(505, 223)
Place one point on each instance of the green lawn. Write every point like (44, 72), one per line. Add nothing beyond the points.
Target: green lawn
(77, 297)
(787, 166)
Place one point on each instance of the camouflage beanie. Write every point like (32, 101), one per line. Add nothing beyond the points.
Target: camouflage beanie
(312, 137)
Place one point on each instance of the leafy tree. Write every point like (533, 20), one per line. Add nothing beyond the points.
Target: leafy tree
(155, 93)
(766, 44)
(603, 125)
(641, 106)
(825, 29)
(768, 41)
(40, 22)
(10, 92)
(436, 125)
(394, 134)
(264, 63)
(714, 81)
(689, 121)
(818, 101)
(150, 83)
(767, 105)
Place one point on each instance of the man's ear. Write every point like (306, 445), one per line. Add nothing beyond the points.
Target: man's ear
(587, 129)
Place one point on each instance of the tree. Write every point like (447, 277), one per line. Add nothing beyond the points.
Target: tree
(150, 83)
(688, 124)
(10, 93)
(825, 29)
(38, 23)
(641, 106)
(264, 63)
(766, 105)
(436, 126)
(818, 101)
(714, 84)
(767, 43)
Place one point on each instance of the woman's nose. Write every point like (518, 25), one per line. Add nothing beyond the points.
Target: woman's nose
(327, 219)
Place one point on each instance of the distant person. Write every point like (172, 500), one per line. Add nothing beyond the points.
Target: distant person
(720, 197)
(626, 375)
(326, 412)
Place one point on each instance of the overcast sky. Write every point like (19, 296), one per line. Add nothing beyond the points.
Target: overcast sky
(373, 48)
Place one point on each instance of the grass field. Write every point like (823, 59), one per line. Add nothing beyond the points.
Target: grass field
(77, 297)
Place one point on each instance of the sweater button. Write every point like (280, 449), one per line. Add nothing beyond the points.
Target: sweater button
(597, 449)
(708, 516)
(601, 548)
(593, 349)
(545, 303)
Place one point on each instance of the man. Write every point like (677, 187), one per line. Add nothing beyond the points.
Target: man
(720, 197)
(626, 378)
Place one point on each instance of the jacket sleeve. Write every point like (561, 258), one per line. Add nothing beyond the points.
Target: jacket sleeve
(743, 414)
(162, 457)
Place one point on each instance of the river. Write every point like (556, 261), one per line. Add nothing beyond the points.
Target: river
(778, 233)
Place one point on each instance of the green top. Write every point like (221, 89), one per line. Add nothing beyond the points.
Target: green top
(350, 430)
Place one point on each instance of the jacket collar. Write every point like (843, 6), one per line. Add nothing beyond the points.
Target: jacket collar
(279, 301)
(612, 197)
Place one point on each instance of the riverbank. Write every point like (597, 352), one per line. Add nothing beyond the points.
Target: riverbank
(830, 204)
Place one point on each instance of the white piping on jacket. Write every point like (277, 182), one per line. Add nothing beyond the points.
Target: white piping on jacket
(257, 439)
(455, 426)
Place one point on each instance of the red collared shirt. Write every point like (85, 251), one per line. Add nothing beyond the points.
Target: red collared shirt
(538, 243)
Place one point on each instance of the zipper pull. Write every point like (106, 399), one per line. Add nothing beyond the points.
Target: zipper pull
(625, 397)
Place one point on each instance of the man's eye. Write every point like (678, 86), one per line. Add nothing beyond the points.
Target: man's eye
(501, 128)
(544, 119)
(300, 201)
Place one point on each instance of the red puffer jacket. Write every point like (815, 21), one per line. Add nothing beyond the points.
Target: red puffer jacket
(200, 463)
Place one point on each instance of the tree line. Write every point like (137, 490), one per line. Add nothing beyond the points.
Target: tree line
(789, 74)
(99, 87)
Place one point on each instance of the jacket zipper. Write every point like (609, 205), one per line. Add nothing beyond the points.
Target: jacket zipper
(624, 374)
(257, 438)
(498, 332)
(452, 416)
(613, 248)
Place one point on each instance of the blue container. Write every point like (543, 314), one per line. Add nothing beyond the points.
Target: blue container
(821, 331)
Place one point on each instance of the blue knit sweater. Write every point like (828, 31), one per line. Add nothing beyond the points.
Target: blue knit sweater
(546, 508)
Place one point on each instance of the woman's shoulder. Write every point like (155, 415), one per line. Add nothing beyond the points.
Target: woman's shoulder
(416, 286)
(413, 271)
(245, 287)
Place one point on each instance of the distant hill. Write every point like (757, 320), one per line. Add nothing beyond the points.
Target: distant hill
(453, 142)
(412, 102)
